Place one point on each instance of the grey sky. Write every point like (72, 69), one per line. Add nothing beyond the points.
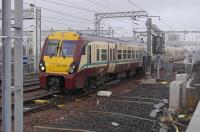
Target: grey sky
(175, 14)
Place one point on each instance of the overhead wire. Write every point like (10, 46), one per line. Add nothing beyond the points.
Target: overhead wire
(84, 9)
(101, 5)
(170, 27)
(95, 3)
(65, 14)
(88, 21)
(56, 22)
(62, 23)
(67, 20)
(72, 5)
(62, 13)
(90, 9)
(136, 5)
(139, 7)
(105, 7)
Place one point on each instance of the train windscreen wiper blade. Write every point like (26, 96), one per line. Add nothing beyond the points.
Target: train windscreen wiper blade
(63, 54)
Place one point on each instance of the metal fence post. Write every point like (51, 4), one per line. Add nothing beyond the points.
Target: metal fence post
(18, 67)
(6, 66)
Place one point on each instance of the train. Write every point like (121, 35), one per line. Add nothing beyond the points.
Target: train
(174, 54)
(72, 61)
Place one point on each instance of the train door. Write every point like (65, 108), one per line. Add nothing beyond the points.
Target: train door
(88, 55)
(111, 58)
(96, 54)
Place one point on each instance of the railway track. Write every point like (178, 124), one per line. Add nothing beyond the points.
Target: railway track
(131, 106)
(134, 111)
(32, 88)
(29, 85)
(31, 82)
(52, 102)
(52, 98)
(29, 101)
(60, 98)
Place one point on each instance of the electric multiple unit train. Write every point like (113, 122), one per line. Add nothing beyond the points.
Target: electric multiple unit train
(73, 61)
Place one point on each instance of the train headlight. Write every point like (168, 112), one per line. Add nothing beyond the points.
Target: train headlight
(42, 66)
(72, 68)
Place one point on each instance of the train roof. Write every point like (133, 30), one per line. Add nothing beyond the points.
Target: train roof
(88, 37)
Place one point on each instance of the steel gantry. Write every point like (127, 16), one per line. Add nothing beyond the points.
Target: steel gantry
(131, 14)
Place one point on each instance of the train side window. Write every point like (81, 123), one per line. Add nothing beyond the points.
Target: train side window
(119, 54)
(89, 54)
(133, 54)
(97, 54)
(141, 54)
(124, 54)
(129, 54)
(103, 54)
(137, 54)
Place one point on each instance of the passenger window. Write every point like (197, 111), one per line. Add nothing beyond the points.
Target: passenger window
(119, 54)
(103, 54)
(137, 54)
(129, 54)
(133, 54)
(141, 54)
(124, 54)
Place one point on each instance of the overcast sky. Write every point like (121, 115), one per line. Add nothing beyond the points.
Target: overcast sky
(175, 14)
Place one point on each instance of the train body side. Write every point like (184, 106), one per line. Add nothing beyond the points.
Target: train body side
(90, 59)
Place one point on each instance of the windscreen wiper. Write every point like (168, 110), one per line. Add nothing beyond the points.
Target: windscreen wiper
(63, 54)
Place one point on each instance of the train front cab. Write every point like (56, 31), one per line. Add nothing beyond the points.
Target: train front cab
(58, 61)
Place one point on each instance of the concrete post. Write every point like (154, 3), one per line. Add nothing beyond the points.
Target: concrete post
(97, 21)
(35, 47)
(38, 27)
(158, 67)
(18, 67)
(37, 37)
(149, 44)
(174, 95)
(133, 28)
(184, 90)
(6, 66)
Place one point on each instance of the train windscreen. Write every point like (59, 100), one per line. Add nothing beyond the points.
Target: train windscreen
(52, 48)
(67, 48)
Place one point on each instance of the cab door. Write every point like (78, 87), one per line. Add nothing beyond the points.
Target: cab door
(111, 57)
